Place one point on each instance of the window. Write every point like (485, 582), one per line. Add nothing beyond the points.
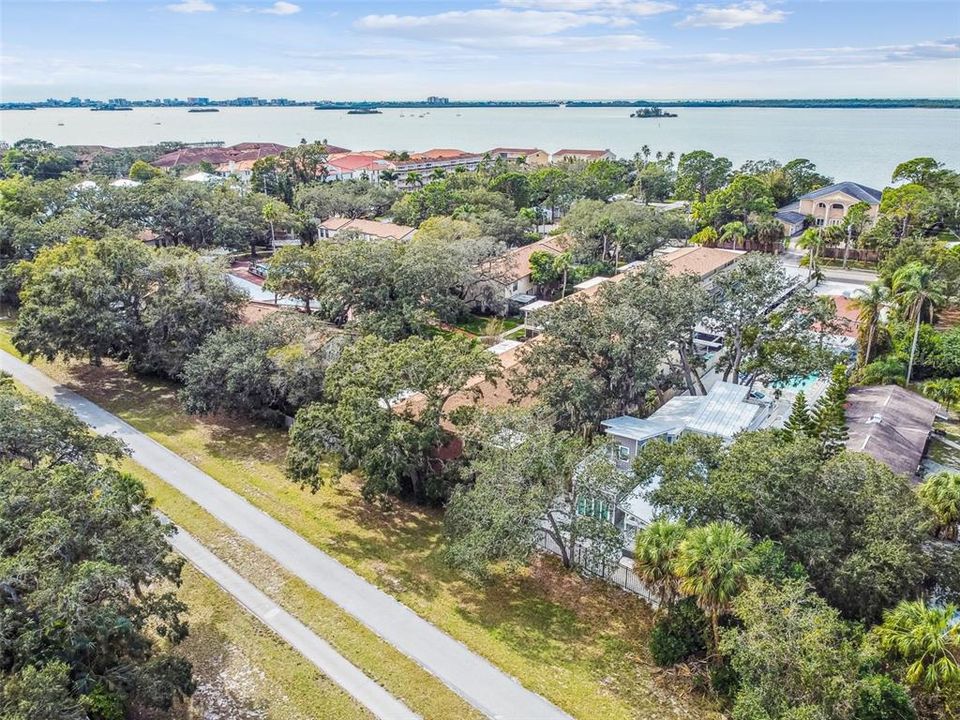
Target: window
(596, 508)
(623, 452)
(821, 205)
(837, 206)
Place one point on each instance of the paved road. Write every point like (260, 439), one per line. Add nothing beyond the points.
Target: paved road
(853, 276)
(488, 689)
(340, 670)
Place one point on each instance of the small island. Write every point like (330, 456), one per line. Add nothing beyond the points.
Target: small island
(651, 112)
(203, 110)
(364, 111)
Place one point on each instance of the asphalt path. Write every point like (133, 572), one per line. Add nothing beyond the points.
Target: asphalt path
(476, 680)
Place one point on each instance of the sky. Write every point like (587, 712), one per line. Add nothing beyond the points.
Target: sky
(478, 49)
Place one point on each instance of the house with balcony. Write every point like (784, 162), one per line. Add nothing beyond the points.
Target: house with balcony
(828, 206)
(426, 163)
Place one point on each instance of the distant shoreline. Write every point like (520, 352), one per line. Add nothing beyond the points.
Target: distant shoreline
(784, 103)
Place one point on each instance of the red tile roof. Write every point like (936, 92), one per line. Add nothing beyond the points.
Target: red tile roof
(222, 155)
(358, 161)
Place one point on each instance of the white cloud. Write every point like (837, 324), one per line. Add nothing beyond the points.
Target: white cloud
(946, 51)
(281, 8)
(191, 6)
(628, 7)
(733, 16)
(459, 24)
(567, 44)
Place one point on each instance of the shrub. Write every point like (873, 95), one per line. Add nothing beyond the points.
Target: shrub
(883, 699)
(679, 634)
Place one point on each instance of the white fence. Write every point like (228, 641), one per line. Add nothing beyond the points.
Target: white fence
(619, 573)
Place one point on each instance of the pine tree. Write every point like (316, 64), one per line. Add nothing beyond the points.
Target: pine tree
(829, 415)
(799, 423)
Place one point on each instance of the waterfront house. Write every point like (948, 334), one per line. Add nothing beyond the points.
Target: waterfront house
(891, 425)
(828, 206)
(429, 161)
(568, 155)
(366, 229)
(189, 156)
(357, 166)
(529, 156)
(792, 219)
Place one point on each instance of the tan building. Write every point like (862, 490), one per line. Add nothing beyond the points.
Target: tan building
(513, 269)
(530, 156)
(828, 206)
(367, 229)
(426, 162)
(568, 155)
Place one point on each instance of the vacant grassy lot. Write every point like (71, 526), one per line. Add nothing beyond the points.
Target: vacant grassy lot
(581, 644)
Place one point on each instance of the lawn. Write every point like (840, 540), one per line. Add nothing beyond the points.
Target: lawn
(477, 324)
(580, 643)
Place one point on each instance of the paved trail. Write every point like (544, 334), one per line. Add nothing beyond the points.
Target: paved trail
(340, 670)
(487, 688)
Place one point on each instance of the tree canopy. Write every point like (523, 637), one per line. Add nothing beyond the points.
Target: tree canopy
(86, 576)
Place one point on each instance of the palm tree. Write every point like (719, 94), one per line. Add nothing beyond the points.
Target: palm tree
(812, 240)
(768, 231)
(271, 212)
(707, 237)
(735, 232)
(942, 390)
(869, 306)
(655, 551)
(928, 639)
(713, 562)
(414, 178)
(917, 288)
(941, 493)
(854, 222)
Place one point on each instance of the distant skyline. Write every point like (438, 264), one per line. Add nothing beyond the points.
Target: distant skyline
(472, 49)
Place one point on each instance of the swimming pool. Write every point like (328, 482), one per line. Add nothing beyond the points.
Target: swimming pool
(799, 384)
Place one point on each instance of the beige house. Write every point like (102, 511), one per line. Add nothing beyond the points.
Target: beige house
(568, 155)
(530, 156)
(828, 206)
(513, 270)
(367, 229)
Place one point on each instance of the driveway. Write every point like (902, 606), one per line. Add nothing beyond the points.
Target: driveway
(476, 680)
